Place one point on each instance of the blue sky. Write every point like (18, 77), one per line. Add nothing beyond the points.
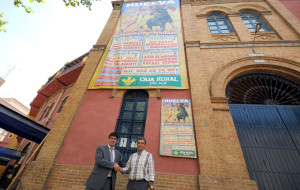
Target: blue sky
(39, 44)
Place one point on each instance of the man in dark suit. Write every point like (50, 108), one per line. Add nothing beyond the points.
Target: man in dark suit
(103, 176)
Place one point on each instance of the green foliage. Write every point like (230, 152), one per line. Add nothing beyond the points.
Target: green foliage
(2, 23)
(75, 3)
(68, 3)
(19, 3)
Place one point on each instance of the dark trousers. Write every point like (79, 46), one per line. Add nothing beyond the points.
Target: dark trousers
(107, 185)
(137, 185)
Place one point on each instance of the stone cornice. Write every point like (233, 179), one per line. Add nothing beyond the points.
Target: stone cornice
(98, 47)
(249, 44)
(203, 2)
(192, 44)
(286, 43)
(219, 100)
(117, 5)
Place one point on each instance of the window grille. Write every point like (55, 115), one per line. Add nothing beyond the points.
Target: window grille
(218, 23)
(251, 19)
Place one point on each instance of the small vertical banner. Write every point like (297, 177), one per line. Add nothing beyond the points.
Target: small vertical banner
(177, 131)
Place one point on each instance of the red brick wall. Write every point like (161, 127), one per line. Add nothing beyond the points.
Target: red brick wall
(96, 118)
(74, 177)
(293, 6)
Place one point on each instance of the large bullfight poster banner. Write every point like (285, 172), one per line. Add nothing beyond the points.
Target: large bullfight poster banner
(146, 50)
(177, 131)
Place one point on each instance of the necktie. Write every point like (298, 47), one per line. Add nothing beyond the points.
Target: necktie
(111, 155)
(111, 159)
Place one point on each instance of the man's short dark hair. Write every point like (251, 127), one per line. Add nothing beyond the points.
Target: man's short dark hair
(142, 138)
(114, 134)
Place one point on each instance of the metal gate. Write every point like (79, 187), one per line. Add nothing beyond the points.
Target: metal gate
(270, 141)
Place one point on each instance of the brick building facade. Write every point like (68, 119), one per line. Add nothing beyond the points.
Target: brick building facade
(213, 60)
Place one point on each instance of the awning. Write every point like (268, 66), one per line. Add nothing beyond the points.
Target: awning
(7, 154)
(22, 126)
(4, 161)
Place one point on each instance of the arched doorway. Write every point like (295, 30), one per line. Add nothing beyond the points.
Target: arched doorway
(266, 112)
(131, 122)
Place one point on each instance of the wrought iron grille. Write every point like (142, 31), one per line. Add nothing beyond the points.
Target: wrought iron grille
(263, 89)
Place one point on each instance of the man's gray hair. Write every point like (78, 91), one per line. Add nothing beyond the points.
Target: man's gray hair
(142, 138)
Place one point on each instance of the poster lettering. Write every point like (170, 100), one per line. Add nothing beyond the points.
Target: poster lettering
(146, 50)
(177, 132)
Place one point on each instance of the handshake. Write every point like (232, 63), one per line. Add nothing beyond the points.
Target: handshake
(118, 168)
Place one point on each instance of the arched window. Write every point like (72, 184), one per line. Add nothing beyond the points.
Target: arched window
(62, 104)
(49, 110)
(251, 19)
(26, 148)
(45, 110)
(218, 23)
(131, 122)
